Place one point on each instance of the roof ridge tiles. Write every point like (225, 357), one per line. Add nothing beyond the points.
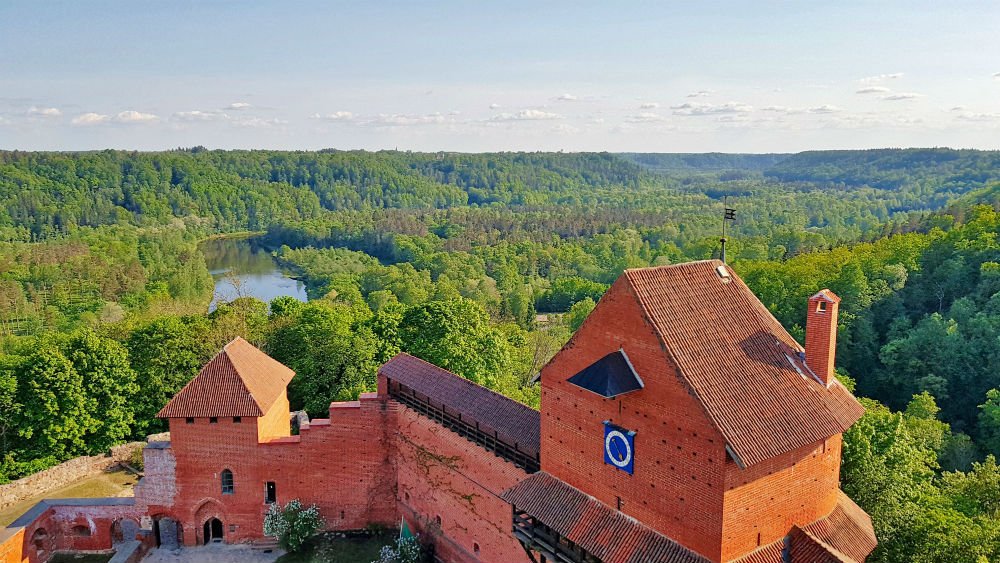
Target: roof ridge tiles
(240, 380)
(733, 356)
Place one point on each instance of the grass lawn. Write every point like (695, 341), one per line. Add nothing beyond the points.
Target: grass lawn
(327, 548)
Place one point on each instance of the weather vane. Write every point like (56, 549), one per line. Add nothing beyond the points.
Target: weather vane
(728, 215)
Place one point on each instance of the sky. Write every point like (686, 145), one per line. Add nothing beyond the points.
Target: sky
(488, 76)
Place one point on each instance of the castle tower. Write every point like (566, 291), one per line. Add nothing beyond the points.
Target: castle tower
(680, 423)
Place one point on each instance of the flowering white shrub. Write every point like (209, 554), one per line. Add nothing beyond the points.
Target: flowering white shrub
(406, 550)
(292, 525)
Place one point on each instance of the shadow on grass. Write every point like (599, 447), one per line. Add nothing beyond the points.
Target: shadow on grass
(331, 547)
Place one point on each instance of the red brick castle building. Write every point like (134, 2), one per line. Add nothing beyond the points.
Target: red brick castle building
(681, 423)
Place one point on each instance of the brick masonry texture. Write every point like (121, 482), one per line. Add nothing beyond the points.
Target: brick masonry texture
(376, 460)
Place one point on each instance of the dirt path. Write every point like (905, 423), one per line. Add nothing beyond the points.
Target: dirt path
(116, 484)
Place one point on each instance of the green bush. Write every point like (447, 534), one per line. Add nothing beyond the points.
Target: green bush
(292, 525)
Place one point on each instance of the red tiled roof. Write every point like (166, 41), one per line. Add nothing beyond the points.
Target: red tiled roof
(739, 361)
(607, 534)
(239, 381)
(773, 553)
(513, 422)
(844, 536)
(847, 530)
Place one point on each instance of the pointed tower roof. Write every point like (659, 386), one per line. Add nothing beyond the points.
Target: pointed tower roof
(239, 381)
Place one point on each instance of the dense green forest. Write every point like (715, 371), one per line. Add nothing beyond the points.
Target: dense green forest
(484, 264)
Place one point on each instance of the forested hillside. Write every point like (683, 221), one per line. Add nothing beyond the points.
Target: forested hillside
(484, 264)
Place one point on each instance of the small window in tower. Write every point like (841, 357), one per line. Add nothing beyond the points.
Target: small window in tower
(189, 420)
(475, 549)
(822, 307)
(237, 419)
(213, 419)
(437, 520)
(227, 482)
(619, 503)
(270, 492)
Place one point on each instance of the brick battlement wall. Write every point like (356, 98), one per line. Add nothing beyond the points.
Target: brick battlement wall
(341, 464)
(373, 461)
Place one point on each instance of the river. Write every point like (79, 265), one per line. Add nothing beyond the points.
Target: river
(244, 268)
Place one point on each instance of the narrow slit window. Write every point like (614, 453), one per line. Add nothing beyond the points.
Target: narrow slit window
(189, 420)
(270, 492)
(227, 482)
(213, 419)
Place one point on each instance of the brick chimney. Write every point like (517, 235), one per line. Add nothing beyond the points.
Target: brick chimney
(821, 334)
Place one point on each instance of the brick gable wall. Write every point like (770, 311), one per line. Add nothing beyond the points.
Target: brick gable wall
(678, 484)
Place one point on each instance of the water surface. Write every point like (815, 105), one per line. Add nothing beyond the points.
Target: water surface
(244, 268)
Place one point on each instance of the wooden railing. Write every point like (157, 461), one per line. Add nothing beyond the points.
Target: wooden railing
(536, 536)
(468, 429)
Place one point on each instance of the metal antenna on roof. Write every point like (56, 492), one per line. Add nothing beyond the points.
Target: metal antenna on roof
(728, 215)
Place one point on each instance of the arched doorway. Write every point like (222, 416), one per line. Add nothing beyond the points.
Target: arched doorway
(213, 530)
(167, 532)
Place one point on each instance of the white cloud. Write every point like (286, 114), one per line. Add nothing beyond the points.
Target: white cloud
(692, 108)
(526, 115)
(335, 116)
(565, 129)
(495, 106)
(90, 119)
(34, 111)
(198, 115)
(238, 106)
(881, 77)
(644, 117)
(404, 120)
(825, 108)
(996, 75)
(649, 105)
(872, 90)
(567, 98)
(780, 109)
(132, 116)
(970, 116)
(257, 122)
(901, 96)
(700, 94)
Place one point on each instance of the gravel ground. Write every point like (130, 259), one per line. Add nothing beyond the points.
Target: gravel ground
(214, 553)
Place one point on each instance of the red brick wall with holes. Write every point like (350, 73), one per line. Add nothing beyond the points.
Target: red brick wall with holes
(442, 477)
(684, 485)
(341, 464)
(798, 487)
(678, 484)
